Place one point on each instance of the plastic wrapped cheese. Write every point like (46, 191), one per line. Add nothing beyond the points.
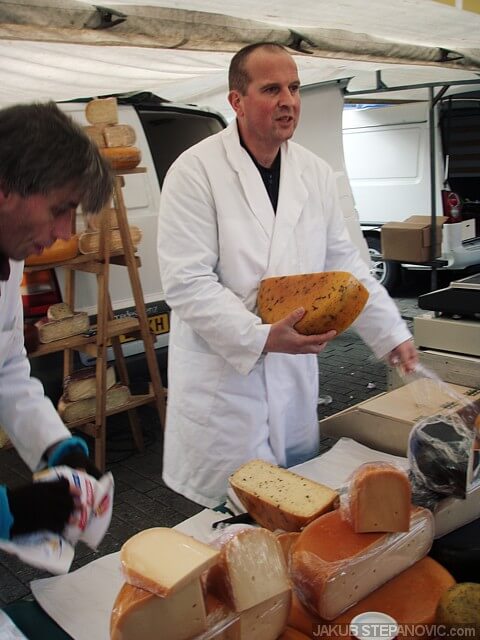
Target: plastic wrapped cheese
(378, 499)
(410, 598)
(250, 570)
(333, 567)
(140, 615)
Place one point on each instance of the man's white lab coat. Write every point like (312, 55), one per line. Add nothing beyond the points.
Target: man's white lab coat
(26, 414)
(218, 236)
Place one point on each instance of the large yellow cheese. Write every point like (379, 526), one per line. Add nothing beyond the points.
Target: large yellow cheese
(280, 499)
(411, 598)
(332, 300)
(141, 615)
(333, 567)
(163, 560)
(379, 499)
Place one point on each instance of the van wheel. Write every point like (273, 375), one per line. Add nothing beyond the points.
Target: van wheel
(385, 271)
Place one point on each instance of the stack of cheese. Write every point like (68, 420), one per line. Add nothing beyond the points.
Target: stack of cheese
(61, 322)
(178, 588)
(115, 142)
(79, 400)
(337, 557)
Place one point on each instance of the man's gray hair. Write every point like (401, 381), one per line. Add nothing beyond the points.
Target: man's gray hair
(41, 148)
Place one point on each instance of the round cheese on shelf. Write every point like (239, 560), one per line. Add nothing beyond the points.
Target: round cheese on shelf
(122, 158)
(59, 251)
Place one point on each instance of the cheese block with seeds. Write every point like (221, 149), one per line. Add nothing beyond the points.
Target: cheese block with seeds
(102, 111)
(333, 567)
(163, 560)
(332, 300)
(460, 605)
(379, 498)
(280, 499)
(140, 615)
(250, 570)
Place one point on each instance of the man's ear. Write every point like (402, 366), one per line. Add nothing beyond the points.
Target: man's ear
(235, 100)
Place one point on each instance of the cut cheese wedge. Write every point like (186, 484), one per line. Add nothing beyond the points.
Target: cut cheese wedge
(280, 499)
(264, 621)
(163, 560)
(379, 498)
(332, 300)
(333, 567)
(140, 615)
(250, 570)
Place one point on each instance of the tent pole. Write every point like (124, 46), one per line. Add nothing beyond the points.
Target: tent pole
(433, 186)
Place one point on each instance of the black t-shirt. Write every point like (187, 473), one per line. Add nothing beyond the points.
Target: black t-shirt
(270, 175)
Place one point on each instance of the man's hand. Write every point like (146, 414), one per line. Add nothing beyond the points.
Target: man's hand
(41, 506)
(404, 356)
(283, 338)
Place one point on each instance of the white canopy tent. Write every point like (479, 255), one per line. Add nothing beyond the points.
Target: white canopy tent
(180, 50)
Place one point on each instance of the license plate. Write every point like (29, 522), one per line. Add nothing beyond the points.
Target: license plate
(158, 324)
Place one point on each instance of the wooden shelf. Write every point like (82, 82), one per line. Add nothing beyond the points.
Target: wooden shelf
(109, 330)
(117, 327)
(134, 402)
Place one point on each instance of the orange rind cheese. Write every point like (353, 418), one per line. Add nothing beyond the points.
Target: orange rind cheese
(332, 300)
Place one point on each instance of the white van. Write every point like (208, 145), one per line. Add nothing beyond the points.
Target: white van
(387, 156)
(381, 157)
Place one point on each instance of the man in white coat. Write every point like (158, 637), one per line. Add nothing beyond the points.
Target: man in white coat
(48, 166)
(240, 206)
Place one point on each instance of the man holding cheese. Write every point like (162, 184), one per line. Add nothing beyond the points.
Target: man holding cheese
(240, 206)
(48, 166)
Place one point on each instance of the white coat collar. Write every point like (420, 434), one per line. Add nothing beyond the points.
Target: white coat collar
(291, 198)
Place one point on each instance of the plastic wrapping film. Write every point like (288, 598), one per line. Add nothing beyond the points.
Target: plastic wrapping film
(245, 596)
(350, 499)
(441, 447)
(332, 567)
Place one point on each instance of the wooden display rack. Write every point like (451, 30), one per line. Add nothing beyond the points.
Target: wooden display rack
(109, 328)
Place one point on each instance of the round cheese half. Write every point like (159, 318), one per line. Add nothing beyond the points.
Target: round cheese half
(332, 300)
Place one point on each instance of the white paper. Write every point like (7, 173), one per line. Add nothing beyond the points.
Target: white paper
(81, 602)
(8, 630)
(335, 466)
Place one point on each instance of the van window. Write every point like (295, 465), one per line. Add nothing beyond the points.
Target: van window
(171, 132)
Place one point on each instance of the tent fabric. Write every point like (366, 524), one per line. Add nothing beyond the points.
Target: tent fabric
(180, 50)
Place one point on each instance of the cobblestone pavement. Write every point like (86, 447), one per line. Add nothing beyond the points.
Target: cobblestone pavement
(349, 374)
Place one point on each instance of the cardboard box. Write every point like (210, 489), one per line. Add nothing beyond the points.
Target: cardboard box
(385, 421)
(410, 240)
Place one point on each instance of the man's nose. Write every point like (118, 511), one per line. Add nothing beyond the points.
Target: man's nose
(62, 225)
(286, 97)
